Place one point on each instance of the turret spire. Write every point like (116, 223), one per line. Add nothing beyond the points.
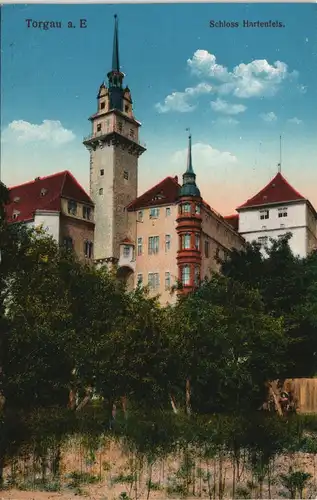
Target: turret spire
(115, 49)
(189, 187)
(189, 155)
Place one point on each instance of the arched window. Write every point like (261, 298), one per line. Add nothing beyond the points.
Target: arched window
(186, 241)
(186, 275)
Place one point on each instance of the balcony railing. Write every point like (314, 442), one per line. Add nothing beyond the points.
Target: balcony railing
(110, 130)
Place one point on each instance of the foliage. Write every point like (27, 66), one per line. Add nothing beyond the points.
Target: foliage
(227, 345)
(287, 285)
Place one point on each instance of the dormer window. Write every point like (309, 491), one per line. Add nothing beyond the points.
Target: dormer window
(264, 214)
(44, 192)
(282, 212)
(72, 207)
(197, 209)
(15, 215)
(16, 199)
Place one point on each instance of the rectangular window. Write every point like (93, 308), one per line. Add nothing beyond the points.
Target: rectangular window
(167, 211)
(186, 208)
(154, 213)
(140, 216)
(140, 246)
(131, 132)
(72, 207)
(88, 246)
(197, 275)
(126, 108)
(98, 127)
(153, 281)
(102, 105)
(197, 209)
(264, 214)
(126, 251)
(167, 242)
(101, 191)
(68, 243)
(125, 175)
(282, 212)
(186, 275)
(86, 213)
(186, 241)
(119, 127)
(197, 241)
(154, 242)
(263, 240)
(167, 280)
(139, 279)
(206, 248)
(102, 172)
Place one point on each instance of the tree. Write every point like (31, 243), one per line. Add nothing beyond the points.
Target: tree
(226, 345)
(287, 285)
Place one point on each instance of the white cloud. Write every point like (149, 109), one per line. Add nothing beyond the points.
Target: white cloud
(204, 64)
(257, 78)
(295, 120)
(182, 101)
(227, 121)
(204, 157)
(269, 117)
(229, 109)
(49, 131)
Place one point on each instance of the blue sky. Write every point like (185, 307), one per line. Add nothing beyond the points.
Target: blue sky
(237, 89)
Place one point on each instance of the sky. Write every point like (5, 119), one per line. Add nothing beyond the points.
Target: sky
(237, 89)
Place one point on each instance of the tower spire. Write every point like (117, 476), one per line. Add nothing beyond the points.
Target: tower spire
(115, 76)
(280, 163)
(189, 187)
(189, 155)
(115, 49)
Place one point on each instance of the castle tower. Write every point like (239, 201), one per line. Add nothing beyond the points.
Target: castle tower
(114, 151)
(189, 229)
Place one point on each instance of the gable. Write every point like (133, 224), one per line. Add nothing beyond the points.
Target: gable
(278, 190)
(166, 192)
(43, 193)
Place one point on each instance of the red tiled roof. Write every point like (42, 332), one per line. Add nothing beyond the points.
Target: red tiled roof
(165, 192)
(278, 190)
(27, 198)
(233, 220)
